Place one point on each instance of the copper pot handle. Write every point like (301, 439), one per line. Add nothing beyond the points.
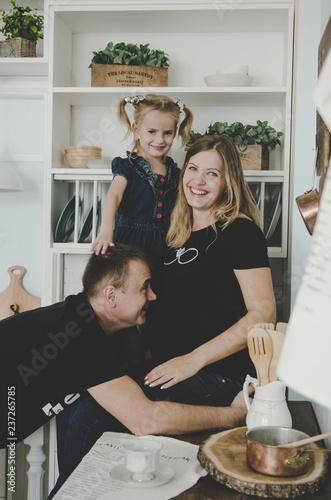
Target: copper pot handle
(314, 172)
(302, 457)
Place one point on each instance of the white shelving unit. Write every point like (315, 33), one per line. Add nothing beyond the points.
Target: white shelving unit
(200, 37)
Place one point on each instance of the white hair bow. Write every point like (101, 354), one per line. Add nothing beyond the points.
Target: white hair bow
(180, 105)
(134, 100)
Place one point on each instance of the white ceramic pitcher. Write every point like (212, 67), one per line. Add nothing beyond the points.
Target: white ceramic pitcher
(269, 405)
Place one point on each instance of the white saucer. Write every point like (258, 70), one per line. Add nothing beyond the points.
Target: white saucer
(162, 476)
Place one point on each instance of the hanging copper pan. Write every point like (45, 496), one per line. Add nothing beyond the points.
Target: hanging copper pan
(308, 204)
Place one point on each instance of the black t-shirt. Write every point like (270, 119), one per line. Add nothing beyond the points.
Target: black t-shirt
(199, 297)
(49, 357)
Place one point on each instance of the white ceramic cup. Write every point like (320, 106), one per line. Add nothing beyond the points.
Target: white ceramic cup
(142, 458)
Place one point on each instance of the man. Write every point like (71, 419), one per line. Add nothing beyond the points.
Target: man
(53, 355)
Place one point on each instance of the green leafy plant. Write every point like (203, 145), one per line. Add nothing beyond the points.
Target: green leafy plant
(242, 135)
(22, 22)
(132, 55)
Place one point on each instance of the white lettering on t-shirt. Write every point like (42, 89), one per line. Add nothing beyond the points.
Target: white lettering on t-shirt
(179, 254)
(50, 410)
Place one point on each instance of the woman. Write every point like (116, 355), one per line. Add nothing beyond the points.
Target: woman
(215, 279)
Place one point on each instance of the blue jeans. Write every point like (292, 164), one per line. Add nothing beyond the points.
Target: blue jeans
(80, 426)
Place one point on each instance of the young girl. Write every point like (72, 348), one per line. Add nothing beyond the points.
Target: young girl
(143, 190)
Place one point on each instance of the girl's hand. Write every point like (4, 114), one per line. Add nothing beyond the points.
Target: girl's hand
(101, 244)
(173, 371)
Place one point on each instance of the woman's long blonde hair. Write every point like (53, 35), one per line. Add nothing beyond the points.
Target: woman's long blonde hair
(153, 102)
(235, 201)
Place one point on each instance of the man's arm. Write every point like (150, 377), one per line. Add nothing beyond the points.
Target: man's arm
(125, 400)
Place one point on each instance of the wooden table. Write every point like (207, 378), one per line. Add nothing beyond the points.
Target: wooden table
(207, 488)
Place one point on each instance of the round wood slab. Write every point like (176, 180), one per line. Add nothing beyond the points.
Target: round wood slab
(223, 455)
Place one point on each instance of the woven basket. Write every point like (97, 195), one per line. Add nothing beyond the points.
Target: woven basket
(18, 47)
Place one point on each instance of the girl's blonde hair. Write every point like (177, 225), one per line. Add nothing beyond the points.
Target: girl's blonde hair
(152, 102)
(235, 201)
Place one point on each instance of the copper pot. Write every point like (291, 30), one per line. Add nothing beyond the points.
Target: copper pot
(308, 206)
(308, 203)
(266, 455)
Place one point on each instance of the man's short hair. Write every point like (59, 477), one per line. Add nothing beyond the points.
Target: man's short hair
(112, 266)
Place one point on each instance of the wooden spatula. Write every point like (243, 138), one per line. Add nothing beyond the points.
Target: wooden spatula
(260, 350)
(277, 338)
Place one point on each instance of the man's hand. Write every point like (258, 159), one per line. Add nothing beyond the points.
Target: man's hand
(238, 408)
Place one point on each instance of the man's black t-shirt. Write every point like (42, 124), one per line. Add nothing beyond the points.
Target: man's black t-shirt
(49, 357)
(199, 297)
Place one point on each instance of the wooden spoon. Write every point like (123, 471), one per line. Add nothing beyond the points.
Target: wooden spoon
(277, 338)
(260, 350)
(312, 439)
(281, 327)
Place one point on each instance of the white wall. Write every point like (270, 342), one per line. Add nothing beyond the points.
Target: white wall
(307, 28)
(311, 19)
(21, 148)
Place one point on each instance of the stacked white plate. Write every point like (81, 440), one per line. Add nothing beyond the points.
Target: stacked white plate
(230, 77)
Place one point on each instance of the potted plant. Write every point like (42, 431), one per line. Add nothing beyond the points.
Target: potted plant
(121, 64)
(254, 142)
(22, 28)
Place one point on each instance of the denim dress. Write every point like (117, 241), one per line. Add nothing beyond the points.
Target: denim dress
(143, 216)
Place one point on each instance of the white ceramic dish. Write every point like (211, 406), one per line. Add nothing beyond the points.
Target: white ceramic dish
(162, 476)
(243, 69)
(275, 217)
(228, 80)
(256, 192)
(87, 225)
(66, 222)
(272, 208)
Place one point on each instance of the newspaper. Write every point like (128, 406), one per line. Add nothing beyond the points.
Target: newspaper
(92, 478)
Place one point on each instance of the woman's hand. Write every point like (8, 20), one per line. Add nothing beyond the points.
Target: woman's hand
(173, 371)
(100, 244)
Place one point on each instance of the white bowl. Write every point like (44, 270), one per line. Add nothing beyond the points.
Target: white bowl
(243, 69)
(101, 163)
(228, 80)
